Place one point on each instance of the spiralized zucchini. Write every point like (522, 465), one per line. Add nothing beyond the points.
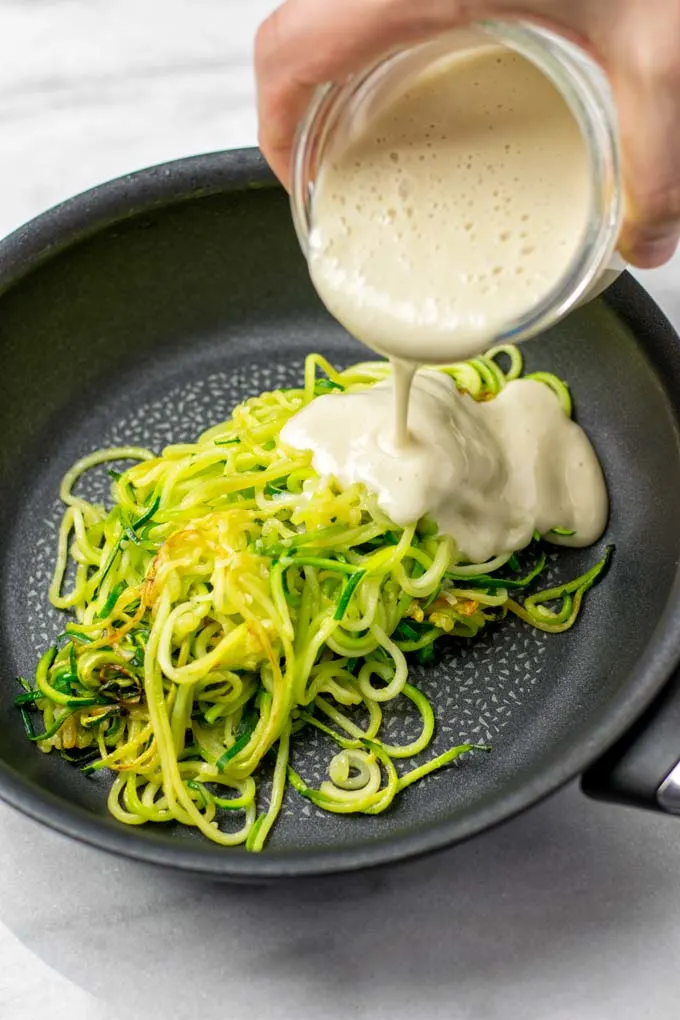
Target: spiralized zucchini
(232, 598)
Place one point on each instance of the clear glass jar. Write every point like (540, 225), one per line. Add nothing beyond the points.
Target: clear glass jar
(586, 90)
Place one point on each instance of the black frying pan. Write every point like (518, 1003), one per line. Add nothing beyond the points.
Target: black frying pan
(141, 312)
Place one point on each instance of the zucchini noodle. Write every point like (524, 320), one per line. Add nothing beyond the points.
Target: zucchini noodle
(231, 599)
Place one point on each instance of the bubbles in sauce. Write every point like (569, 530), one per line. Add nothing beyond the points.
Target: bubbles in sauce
(480, 163)
(441, 221)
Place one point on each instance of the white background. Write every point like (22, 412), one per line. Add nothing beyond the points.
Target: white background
(571, 911)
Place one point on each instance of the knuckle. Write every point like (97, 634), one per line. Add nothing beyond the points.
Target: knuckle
(660, 69)
(261, 46)
(267, 42)
(653, 60)
(419, 18)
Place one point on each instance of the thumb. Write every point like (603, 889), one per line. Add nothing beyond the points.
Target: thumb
(649, 113)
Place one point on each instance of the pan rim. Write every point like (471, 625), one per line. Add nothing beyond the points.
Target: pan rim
(189, 179)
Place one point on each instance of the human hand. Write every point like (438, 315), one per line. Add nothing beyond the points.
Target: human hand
(305, 43)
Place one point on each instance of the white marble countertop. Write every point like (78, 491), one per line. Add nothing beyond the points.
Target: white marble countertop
(571, 911)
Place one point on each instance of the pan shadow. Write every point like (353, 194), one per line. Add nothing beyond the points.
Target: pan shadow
(565, 891)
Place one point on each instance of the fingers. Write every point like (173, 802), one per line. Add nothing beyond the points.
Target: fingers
(649, 106)
(308, 42)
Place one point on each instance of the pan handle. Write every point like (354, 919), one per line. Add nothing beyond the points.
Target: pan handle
(643, 768)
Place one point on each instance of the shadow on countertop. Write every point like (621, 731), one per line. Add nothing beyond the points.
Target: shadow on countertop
(546, 918)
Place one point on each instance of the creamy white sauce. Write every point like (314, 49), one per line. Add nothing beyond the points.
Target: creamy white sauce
(448, 214)
(436, 223)
(490, 473)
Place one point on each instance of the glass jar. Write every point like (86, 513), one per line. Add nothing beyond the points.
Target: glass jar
(336, 108)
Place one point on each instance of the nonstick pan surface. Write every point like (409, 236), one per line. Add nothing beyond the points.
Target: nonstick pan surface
(141, 313)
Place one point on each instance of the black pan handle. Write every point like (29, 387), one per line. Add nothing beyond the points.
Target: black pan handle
(643, 768)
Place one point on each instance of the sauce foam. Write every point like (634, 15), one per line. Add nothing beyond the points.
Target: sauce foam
(453, 210)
